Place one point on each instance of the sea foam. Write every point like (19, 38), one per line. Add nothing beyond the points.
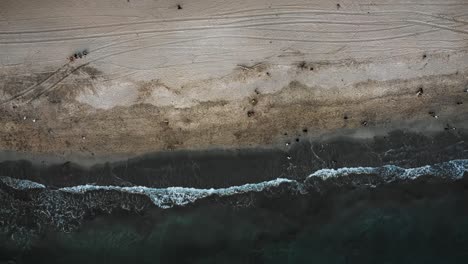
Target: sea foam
(453, 169)
(20, 184)
(179, 196)
(172, 196)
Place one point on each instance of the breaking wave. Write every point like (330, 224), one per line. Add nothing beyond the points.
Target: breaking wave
(169, 197)
(453, 169)
(179, 196)
(19, 184)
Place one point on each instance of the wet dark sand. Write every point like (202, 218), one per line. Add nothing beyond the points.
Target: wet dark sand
(224, 168)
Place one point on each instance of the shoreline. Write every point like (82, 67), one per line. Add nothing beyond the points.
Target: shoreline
(217, 168)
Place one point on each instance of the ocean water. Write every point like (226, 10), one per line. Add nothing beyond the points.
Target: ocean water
(400, 208)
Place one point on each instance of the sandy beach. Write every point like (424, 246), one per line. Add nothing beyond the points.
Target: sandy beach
(225, 75)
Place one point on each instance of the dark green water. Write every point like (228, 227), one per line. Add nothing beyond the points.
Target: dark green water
(420, 222)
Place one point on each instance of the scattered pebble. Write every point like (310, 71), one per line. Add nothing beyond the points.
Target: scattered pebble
(289, 157)
(83, 137)
(24, 118)
(250, 113)
(287, 143)
(364, 123)
(34, 120)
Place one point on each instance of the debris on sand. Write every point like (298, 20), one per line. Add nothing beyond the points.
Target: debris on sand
(420, 91)
(78, 55)
(433, 114)
(449, 127)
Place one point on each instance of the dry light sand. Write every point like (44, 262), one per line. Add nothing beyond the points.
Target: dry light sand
(164, 75)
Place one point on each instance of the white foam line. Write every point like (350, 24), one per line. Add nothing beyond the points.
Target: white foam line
(180, 196)
(452, 169)
(169, 197)
(21, 184)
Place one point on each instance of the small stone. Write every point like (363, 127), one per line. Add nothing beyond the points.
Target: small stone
(24, 118)
(289, 157)
(34, 120)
